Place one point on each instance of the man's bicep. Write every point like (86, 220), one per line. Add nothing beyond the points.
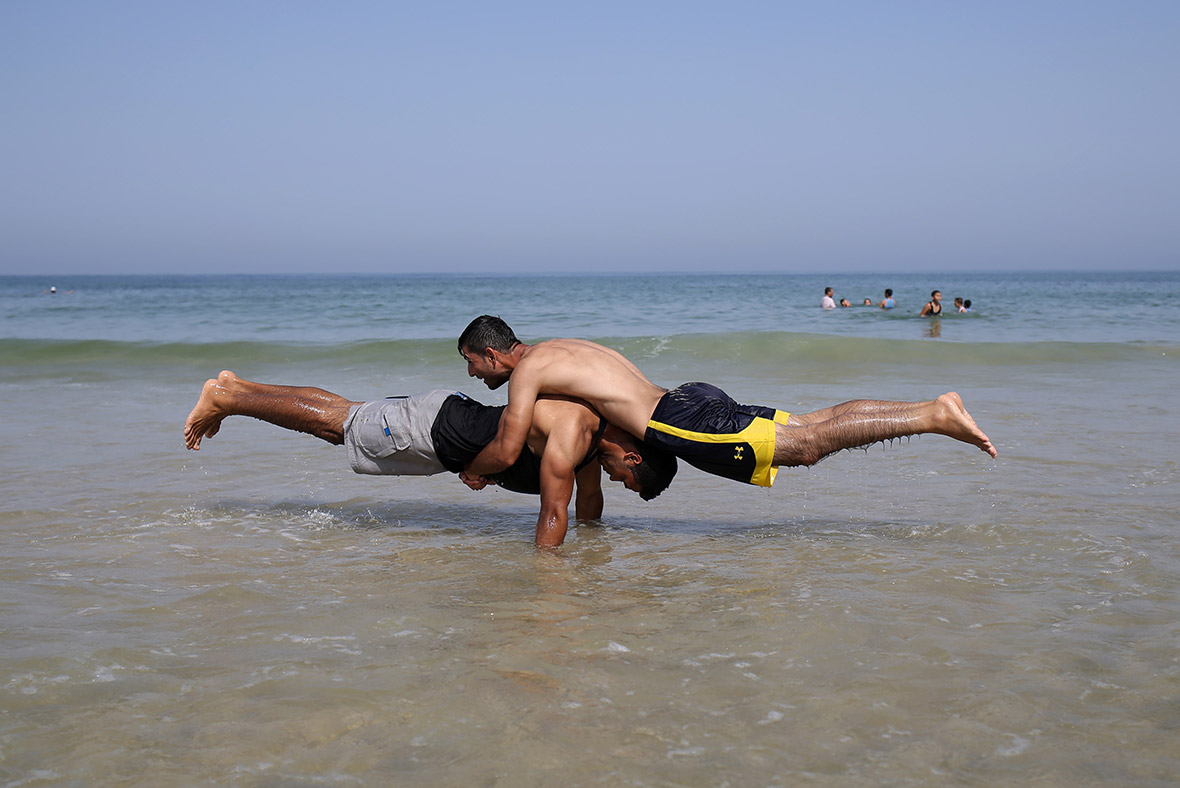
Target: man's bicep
(513, 429)
(517, 417)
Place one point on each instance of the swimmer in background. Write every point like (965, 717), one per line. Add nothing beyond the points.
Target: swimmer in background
(933, 307)
(887, 301)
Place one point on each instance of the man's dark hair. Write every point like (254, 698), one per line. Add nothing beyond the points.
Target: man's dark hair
(655, 472)
(888, 292)
(487, 331)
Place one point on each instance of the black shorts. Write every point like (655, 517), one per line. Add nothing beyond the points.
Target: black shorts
(461, 430)
(706, 428)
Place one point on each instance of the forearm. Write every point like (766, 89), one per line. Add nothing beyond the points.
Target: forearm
(494, 457)
(588, 506)
(505, 448)
(552, 524)
(557, 490)
(588, 495)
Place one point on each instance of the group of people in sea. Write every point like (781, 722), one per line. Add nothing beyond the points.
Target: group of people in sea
(931, 308)
(576, 410)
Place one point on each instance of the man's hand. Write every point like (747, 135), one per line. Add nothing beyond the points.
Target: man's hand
(475, 481)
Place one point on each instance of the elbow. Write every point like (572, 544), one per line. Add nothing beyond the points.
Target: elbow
(509, 455)
(502, 458)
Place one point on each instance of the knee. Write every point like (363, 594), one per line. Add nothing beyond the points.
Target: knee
(796, 454)
(802, 459)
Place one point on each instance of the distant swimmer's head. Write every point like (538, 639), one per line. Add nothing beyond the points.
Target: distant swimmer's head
(52, 289)
(479, 343)
(641, 468)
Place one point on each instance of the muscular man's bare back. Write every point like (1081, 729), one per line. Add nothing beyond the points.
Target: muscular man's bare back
(606, 380)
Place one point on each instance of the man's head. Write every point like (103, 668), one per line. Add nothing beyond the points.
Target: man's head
(641, 468)
(483, 345)
(936, 295)
(888, 293)
(828, 291)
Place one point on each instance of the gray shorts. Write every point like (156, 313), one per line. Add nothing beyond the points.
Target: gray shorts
(392, 436)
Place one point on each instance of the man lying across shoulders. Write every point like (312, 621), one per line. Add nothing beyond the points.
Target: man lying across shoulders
(440, 431)
(697, 422)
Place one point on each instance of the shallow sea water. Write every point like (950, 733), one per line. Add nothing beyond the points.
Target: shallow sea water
(916, 614)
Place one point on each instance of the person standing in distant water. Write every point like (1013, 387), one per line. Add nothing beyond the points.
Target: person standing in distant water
(958, 305)
(887, 301)
(828, 302)
(933, 307)
(868, 302)
(966, 306)
(845, 302)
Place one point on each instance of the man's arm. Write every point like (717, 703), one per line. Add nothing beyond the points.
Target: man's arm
(588, 498)
(513, 431)
(557, 488)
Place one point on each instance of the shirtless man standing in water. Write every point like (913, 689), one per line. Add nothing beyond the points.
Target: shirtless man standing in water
(697, 422)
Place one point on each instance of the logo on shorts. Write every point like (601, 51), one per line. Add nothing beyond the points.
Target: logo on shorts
(737, 452)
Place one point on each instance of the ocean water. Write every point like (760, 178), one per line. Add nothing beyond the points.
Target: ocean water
(915, 614)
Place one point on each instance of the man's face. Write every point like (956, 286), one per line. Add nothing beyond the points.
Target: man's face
(937, 296)
(613, 462)
(484, 367)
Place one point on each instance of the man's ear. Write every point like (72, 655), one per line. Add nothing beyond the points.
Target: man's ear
(631, 458)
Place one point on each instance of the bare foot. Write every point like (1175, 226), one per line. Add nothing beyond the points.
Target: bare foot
(958, 424)
(205, 418)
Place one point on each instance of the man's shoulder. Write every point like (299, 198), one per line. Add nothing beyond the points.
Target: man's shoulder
(557, 353)
(562, 344)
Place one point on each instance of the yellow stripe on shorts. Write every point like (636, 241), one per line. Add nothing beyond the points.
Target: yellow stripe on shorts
(760, 436)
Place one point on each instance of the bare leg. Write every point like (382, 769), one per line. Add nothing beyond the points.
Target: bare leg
(300, 408)
(809, 437)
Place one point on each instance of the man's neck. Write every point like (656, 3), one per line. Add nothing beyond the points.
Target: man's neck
(513, 357)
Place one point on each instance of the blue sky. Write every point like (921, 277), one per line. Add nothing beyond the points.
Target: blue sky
(548, 136)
